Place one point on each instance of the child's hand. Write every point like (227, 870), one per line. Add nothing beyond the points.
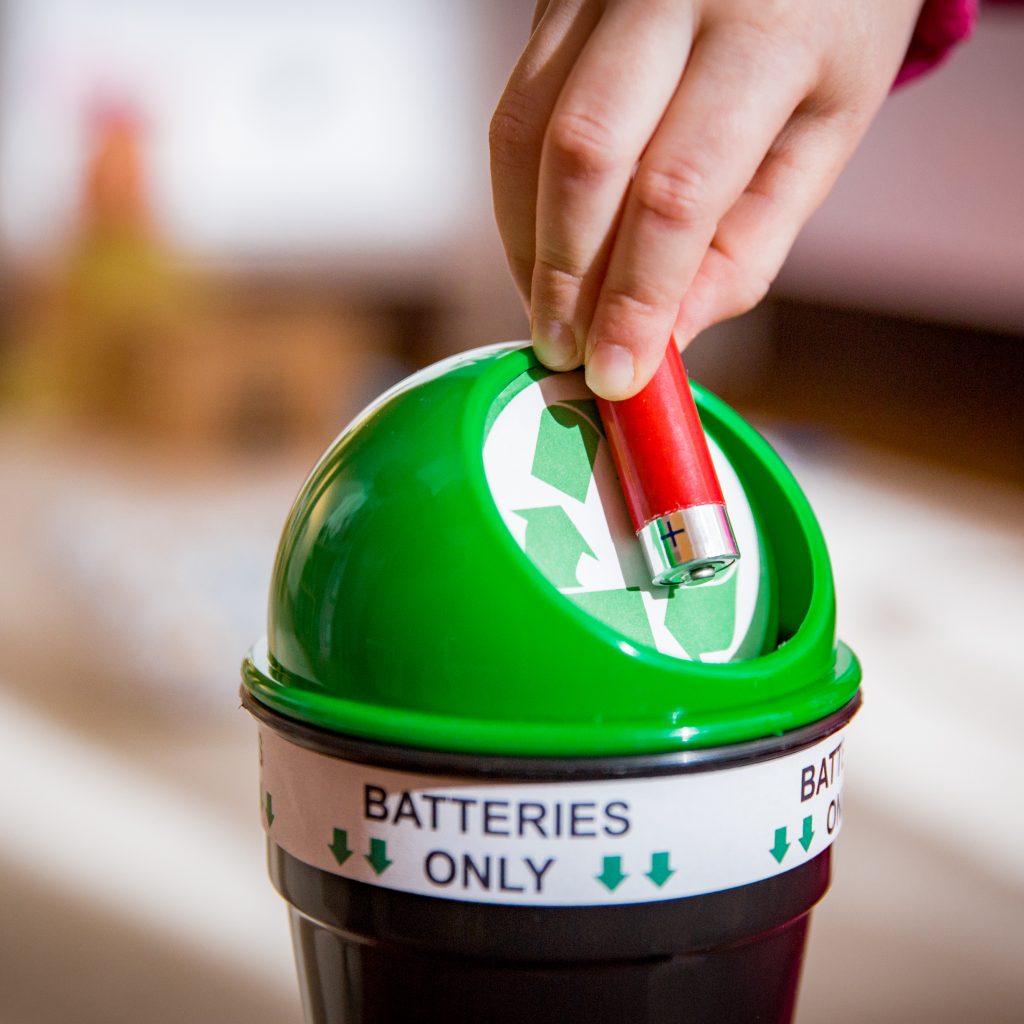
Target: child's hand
(653, 160)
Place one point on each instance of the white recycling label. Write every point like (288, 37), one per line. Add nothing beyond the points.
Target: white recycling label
(615, 841)
(551, 474)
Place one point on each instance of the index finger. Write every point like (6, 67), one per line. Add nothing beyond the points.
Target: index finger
(520, 121)
(731, 104)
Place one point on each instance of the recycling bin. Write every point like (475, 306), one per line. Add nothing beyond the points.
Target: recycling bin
(505, 778)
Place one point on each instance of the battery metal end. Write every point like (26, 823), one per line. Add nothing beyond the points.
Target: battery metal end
(703, 572)
(690, 546)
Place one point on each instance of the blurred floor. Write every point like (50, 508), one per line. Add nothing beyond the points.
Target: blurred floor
(926, 917)
(910, 931)
(131, 853)
(129, 863)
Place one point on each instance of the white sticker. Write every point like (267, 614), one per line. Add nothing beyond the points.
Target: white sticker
(550, 472)
(552, 843)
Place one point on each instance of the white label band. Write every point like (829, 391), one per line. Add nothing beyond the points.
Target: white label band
(552, 843)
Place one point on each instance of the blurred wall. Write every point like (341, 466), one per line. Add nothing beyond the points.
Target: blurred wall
(928, 218)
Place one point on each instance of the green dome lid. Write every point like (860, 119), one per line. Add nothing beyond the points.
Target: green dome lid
(426, 594)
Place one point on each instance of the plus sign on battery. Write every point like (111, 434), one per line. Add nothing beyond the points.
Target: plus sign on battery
(671, 533)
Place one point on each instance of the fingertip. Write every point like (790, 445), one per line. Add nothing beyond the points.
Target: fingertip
(555, 345)
(611, 372)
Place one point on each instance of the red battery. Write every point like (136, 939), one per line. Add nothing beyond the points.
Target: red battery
(668, 479)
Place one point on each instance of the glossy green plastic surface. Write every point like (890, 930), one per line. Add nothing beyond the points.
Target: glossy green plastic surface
(403, 610)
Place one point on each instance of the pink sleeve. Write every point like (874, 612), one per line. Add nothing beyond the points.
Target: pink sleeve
(941, 25)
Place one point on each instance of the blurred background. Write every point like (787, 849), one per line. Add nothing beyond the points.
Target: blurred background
(223, 228)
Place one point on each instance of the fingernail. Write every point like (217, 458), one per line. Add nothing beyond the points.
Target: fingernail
(610, 371)
(555, 345)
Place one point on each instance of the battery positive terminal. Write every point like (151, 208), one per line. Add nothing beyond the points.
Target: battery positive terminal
(690, 546)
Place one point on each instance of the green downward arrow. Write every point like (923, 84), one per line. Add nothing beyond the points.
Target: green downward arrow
(781, 847)
(808, 833)
(660, 871)
(611, 876)
(377, 858)
(554, 543)
(339, 846)
(268, 809)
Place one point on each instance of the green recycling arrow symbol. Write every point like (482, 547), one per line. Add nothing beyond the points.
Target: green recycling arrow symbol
(339, 846)
(660, 871)
(611, 876)
(377, 858)
(554, 543)
(703, 618)
(567, 444)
